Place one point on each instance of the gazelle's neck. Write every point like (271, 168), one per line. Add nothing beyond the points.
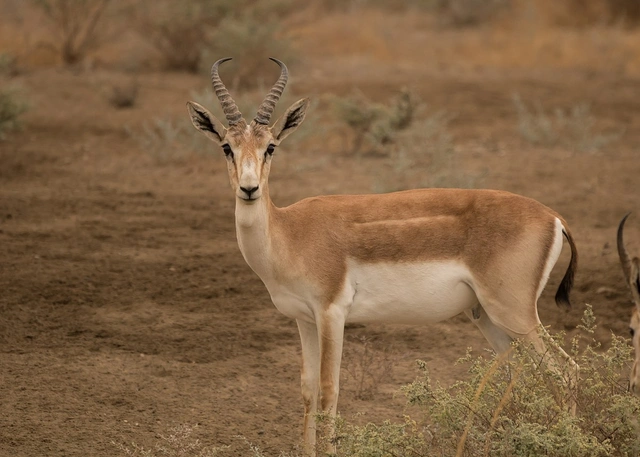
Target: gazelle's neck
(253, 233)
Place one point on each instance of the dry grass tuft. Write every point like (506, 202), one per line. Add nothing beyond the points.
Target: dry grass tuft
(366, 366)
(574, 129)
(176, 443)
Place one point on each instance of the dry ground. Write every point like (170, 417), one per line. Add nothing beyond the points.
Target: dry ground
(126, 307)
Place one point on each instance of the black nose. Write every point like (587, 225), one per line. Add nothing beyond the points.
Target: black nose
(248, 191)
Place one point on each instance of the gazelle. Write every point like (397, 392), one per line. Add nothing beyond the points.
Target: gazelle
(631, 270)
(407, 257)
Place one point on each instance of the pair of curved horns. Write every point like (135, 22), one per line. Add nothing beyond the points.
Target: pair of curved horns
(267, 106)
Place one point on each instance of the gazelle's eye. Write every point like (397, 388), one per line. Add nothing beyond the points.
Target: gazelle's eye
(227, 150)
(269, 150)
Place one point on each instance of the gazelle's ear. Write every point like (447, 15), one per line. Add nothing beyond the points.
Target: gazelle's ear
(290, 120)
(206, 122)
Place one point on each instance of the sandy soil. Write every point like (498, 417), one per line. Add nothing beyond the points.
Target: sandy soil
(126, 307)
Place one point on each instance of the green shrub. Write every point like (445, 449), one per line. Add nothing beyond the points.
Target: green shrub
(12, 106)
(377, 124)
(8, 64)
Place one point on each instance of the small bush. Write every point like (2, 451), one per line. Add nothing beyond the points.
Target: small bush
(8, 64)
(124, 95)
(419, 150)
(77, 25)
(377, 124)
(425, 155)
(180, 31)
(12, 106)
(573, 129)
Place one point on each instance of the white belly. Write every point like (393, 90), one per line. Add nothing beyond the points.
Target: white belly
(408, 293)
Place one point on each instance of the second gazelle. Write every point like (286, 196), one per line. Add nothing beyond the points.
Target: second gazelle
(410, 257)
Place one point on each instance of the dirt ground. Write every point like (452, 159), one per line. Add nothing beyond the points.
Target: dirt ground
(126, 307)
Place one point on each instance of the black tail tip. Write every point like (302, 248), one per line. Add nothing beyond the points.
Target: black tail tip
(562, 299)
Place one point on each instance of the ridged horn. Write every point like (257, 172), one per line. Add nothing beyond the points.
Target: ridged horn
(269, 103)
(229, 107)
(622, 251)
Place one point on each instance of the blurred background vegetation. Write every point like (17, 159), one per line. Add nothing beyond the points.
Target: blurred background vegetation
(186, 36)
(106, 75)
(345, 39)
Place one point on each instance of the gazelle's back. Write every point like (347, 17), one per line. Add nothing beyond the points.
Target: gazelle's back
(418, 224)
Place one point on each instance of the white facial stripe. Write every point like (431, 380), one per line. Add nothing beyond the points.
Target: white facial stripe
(248, 173)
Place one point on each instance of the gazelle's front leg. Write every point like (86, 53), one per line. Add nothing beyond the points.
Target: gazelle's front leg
(331, 334)
(310, 380)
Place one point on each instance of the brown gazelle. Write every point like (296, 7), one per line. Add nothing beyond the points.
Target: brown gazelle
(631, 270)
(407, 257)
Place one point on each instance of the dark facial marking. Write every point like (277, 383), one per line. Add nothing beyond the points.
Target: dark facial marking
(228, 152)
(269, 150)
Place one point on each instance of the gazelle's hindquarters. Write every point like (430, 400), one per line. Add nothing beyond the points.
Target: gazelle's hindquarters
(544, 349)
(631, 271)
(494, 315)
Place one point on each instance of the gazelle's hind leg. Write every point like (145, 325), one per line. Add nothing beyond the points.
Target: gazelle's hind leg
(556, 360)
(494, 324)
